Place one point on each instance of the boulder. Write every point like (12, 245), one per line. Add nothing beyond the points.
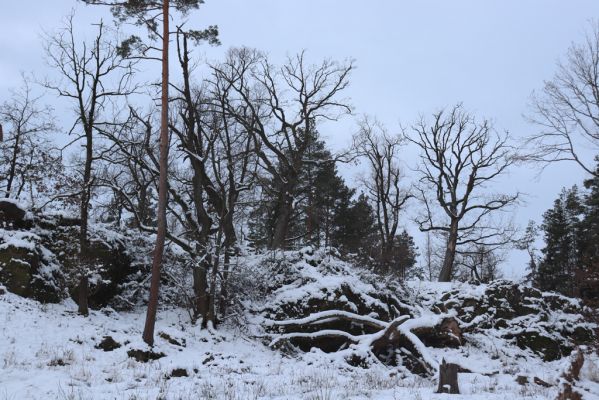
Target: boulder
(40, 259)
(27, 269)
(522, 314)
(107, 260)
(548, 348)
(12, 215)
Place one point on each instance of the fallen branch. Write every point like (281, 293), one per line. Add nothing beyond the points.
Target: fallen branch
(330, 315)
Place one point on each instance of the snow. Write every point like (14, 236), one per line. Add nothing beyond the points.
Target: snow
(229, 366)
(17, 239)
(49, 352)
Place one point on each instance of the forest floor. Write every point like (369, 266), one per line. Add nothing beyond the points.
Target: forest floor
(49, 352)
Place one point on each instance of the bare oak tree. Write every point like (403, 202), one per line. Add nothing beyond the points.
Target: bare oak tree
(567, 109)
(383, 184)
(220, 166)
(460, 160)
(92, 74)
(26, 158)
(280, 107)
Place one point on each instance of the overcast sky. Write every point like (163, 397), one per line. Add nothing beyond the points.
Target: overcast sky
(412, 58)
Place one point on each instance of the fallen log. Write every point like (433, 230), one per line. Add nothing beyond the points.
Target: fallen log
(393, 344)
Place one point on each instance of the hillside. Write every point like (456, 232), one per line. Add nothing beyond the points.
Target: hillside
(284, 342)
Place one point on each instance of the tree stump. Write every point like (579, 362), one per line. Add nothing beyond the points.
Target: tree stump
(448, 378)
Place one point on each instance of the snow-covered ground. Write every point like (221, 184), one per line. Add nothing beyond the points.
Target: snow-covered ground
(48, 352)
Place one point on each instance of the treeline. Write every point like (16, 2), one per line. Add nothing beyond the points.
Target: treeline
(241, 160)
(569, 261)
(247, 164)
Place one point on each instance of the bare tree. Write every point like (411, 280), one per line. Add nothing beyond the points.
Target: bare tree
(479, 262)
(25, 155)
(153, 14)
(280, 108)
(221, 161)
(209, 167)
(92, 75)
(460, 159)
(381, 152)
(567, 108)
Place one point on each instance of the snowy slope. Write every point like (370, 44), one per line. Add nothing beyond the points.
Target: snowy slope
(49, 352)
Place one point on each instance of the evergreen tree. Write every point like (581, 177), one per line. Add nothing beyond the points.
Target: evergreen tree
(319, 197)
(404, 255)
(561, 226)
(587, 276)
(355, 227)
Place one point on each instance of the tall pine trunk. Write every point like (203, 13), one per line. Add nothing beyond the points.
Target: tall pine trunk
(148, 334)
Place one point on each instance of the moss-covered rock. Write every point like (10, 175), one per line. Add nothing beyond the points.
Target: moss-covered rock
(548, 324)
(27, 268)
(42, 261)
(17, 266)
(548, 348)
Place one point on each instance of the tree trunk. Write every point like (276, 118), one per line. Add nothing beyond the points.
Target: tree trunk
(386, 254)
(148, 334)
(211, 317)
(285, 209)
(13, 166)
(447, 269)
(83, 294)
(200, 289)
(84, 225)
(224, 294)
(448, 378)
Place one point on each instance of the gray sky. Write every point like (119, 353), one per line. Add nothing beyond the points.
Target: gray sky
(412, 58)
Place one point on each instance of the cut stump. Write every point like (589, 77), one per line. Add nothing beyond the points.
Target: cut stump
(448, 378)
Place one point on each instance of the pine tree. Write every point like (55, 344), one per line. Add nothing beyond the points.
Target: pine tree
(587, 276)
(355, 227)
(320, 195)
(155, 16)
(561, 256)
(404, 255)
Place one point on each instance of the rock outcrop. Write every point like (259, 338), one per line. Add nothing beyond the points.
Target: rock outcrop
(39, 257)
(548, 324)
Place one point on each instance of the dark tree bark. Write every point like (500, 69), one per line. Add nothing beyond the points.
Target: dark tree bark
(87, 70)
(13, 165)
(460, 159)
(450, 252)
(283, 216)
(381, 152)
(83, 294)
